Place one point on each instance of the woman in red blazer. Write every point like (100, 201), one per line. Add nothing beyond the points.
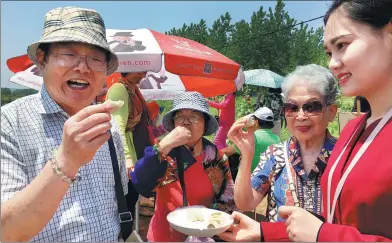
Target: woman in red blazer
(357, 183)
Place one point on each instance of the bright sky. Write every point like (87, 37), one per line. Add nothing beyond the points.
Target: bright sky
(22, 22)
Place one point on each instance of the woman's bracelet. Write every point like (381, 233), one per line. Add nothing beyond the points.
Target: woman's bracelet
(161, 155)
(157, 150)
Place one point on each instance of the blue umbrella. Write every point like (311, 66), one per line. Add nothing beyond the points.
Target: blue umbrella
(264, 78)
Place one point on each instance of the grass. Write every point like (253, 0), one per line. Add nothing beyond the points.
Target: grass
(344, 104)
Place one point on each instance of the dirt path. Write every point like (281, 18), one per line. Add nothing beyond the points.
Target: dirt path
(143, 227)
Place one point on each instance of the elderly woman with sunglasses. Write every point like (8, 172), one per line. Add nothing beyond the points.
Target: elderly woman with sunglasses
(184, 161)
(289, 173)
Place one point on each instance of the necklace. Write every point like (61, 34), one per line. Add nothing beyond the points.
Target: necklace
(192, 148)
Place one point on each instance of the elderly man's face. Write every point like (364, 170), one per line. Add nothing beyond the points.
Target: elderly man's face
(73, 88)
(311, 123)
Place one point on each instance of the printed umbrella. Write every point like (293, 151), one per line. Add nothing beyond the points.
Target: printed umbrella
(164, 85)
(142, 49)
(26, 73)
(173, 64)
(264, 78)
(155, 86)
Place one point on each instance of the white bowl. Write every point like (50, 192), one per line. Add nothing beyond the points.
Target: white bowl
(181, 220)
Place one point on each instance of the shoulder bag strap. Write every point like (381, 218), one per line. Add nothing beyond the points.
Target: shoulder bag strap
(123, 211)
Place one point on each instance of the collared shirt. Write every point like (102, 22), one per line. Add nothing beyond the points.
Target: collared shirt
(31, 129)
(270, 176)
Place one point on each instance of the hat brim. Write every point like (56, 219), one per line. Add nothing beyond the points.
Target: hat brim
(267, 119)
(74, 35)
(211, 126)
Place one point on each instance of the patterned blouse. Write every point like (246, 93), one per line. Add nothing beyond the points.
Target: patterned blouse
(207, 178)
(270, 177)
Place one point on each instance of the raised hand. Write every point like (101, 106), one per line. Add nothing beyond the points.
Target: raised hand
(84, 133)
(177, 137)
(244, 140)
(246, 229)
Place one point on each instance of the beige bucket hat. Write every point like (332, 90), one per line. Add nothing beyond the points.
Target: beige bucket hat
(74, 24)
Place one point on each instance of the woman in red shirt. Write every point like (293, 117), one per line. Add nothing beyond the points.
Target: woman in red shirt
(184, 168)
(357, 183)
(226, 118)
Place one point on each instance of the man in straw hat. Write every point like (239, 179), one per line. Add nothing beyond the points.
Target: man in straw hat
(57, 180)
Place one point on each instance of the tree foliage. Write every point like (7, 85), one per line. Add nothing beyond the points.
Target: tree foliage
(270, 40)
(8, 95)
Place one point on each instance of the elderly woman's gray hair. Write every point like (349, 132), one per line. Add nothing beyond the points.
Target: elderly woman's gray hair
(318, 79)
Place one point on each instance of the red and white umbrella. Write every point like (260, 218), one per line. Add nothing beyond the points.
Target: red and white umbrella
(26, 73)
(173, 64)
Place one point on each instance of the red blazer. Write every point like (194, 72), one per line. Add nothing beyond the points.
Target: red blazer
(364, 210)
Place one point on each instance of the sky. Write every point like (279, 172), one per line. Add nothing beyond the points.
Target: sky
(22, 22)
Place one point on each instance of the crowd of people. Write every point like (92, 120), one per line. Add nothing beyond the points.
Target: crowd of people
(70, 165)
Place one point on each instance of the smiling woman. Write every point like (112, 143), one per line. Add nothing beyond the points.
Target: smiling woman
(358, 40)
(313, 90)
(289, 173)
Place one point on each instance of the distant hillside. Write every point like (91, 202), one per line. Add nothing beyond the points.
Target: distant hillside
(8, 94)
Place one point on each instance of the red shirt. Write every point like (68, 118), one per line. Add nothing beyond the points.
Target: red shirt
(199, 192)
(364, 209)
(227, 110)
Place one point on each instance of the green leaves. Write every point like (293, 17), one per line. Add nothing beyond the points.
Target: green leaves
(244, 104)
(8, 95)
(269, 41)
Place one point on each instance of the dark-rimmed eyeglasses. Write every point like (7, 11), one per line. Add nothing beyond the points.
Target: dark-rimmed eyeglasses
(69, 60)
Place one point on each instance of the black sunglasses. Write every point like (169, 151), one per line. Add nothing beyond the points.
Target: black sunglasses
(312, 108)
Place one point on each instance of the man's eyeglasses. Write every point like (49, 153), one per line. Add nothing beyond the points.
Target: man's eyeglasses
(312, 108)
(192, 119)
(69, 60)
